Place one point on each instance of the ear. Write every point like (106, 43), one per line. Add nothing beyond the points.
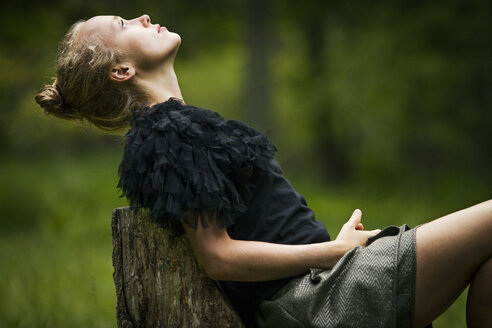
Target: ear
(122, 72)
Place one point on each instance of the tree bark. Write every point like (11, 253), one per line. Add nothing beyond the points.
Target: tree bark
(158, 281)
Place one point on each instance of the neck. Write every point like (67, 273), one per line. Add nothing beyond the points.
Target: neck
(160, 84)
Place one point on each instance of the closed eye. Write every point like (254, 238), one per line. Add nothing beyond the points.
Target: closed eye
(122, 23)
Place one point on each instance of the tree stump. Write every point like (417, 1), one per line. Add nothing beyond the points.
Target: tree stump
(158, 281)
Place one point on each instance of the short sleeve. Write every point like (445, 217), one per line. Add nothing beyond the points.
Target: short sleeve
(179, 158)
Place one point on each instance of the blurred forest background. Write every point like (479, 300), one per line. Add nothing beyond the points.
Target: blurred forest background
(378, 105)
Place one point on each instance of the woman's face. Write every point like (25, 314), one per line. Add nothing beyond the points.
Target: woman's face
(144, 44)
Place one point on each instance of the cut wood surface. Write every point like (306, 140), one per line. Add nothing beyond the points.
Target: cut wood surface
(158, 281)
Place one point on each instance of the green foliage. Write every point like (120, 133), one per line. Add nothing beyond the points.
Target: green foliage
(223, 95)
(397, 89)
(55, 244)
(378, 105)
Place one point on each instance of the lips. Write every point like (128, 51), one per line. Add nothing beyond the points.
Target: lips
(158, 28)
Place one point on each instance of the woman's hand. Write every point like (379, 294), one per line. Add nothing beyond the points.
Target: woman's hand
(352, 233)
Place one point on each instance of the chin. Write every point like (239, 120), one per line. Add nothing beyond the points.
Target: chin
(173, 50)
(177, 38)
(177, 42)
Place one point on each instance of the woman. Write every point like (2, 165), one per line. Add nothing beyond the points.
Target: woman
(248, 227)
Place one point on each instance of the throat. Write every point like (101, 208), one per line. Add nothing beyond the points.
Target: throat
(160, 87)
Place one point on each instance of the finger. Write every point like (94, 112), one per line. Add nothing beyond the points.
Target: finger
(355, 218)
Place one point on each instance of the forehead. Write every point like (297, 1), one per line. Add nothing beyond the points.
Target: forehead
(98, 25)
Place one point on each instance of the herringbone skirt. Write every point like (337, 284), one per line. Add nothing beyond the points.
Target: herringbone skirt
(371, 287)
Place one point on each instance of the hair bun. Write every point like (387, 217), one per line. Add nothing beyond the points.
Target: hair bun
(51, 100)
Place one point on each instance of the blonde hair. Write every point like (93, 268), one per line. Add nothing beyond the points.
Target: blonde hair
(82, 88)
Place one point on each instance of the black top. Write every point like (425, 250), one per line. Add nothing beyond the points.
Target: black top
(180, 159)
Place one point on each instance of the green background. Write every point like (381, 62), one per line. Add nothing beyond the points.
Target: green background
(382, 106)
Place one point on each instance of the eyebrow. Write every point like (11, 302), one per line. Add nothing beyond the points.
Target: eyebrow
(115, 18)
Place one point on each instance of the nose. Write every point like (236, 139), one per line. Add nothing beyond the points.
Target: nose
(145, 20)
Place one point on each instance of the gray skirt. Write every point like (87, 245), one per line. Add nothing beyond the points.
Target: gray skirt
(371, 286)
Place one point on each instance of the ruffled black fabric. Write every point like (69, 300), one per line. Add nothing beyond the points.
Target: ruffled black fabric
(181, 159)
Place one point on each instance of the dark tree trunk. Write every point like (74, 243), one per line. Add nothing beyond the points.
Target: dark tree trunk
(330, 148)
(158, 281)
(258, 38)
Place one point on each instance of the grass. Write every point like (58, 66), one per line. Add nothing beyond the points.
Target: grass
(55, 239)
(56, 264)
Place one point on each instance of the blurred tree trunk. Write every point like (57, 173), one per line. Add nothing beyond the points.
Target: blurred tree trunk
(158, 281)
(258, 40)
(483, 86)
(329, 148)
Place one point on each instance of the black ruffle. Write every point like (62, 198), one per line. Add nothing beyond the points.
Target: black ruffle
(181, 159)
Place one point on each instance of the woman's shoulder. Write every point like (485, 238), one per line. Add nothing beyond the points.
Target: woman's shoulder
(179, 157)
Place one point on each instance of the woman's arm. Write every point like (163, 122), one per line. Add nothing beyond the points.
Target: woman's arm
(227, 259)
